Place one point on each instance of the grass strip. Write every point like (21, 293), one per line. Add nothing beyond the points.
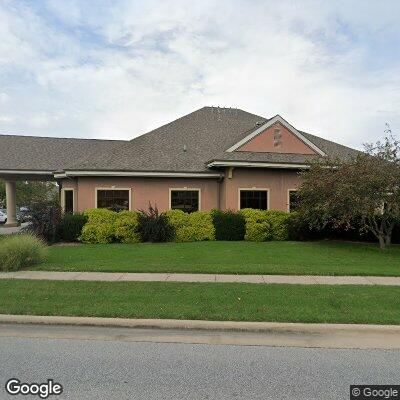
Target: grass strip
(205, 301)
(286, 258)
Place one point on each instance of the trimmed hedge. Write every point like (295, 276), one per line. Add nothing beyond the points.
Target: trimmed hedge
(267, 225)
(126, 226)
(194, 227)
(229, 225)
(71, 226)
(106, 226)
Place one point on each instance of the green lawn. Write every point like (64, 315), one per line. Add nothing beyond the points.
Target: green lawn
(206, 301)
(294, 258)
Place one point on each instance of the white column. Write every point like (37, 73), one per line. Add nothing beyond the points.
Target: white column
(11, 204)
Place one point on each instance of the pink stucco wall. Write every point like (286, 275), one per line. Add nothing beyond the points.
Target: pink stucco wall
(278, 183)
(264, 142)
(214, 194)
(143, 191)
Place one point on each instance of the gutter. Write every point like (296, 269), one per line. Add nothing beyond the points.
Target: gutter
(252, 164)
(152, 174)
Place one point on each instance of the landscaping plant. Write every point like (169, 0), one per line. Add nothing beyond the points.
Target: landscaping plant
(21, 251)
(229, 225)
(193, 227)
(71, 226)
(44, 220)
(126, 226)
(99, 227)
(362, 192)
(154, 227)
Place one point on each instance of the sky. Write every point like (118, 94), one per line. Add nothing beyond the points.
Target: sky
(117, 69)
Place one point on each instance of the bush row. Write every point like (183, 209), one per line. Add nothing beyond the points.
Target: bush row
(105, 226)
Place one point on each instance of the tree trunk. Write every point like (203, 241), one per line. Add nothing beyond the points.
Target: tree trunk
(381, 242)
(388, 240)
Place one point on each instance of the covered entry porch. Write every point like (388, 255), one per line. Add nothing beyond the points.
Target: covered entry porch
(10, 178)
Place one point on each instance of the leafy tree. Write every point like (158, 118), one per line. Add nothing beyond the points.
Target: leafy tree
(362, 192)
(30, 192)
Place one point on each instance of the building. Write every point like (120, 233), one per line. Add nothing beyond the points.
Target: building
(212, 158)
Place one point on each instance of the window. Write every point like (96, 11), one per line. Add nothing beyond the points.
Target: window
(68, 201)
(185, 200)
(254, 199)
(113, 199)
(293, 200)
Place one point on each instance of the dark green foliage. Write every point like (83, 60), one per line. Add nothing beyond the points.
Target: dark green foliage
(44, 220)
(154, 227)
(228, 225)
(71, 226)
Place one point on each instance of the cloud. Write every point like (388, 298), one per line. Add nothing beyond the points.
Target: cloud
(123, 67)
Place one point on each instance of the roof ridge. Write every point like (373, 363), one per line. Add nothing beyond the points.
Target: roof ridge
(63, 138)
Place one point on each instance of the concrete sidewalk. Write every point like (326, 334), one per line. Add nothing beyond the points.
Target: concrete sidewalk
(157, 277)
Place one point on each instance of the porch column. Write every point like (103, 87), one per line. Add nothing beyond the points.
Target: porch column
(11, 205)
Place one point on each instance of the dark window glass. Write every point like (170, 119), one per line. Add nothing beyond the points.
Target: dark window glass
(185, 200)
(68, 201)
(254, 199)
(293, 200)
(116, 200)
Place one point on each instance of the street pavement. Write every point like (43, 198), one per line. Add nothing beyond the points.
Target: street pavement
(106, 366)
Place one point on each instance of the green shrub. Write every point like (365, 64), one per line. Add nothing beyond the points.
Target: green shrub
(100, 226)
(21, 251)
(279, 221)
(71, 226)
(97, 233)
(229, 225)
(44, 221)
(267, 225)
(194, 227)
(126, 227)
(100, 216)
(258, 226)
(154, 227)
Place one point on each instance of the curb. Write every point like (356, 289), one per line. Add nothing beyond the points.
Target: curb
(267, 327)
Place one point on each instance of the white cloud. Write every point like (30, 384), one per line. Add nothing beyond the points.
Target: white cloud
(126, 67)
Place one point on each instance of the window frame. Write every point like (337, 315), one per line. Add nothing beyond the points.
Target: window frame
(113, 188)
(63, 190)
(254, 189)
(184, 189)
(288, 198)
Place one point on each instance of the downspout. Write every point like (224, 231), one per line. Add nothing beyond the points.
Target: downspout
(220, 180)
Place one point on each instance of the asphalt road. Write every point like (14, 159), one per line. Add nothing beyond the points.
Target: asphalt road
(112, 368)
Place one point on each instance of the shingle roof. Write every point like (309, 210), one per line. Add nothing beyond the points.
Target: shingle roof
(47, 153)
(187, 144)
(206, 134)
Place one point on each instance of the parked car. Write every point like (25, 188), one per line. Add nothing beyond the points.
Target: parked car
(3, 217)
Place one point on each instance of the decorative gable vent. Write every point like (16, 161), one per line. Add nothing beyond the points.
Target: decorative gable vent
(277, 137)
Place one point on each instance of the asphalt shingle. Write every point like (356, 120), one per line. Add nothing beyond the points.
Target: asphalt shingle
(184, 145)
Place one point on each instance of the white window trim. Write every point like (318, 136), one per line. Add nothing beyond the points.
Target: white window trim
(182, 190)
(113, 188)
(288, 197)
(254, 189)
(63, 190)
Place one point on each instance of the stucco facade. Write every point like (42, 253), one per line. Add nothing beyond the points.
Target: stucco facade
(213, 193)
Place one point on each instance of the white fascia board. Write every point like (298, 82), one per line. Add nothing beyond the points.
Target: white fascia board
(269, 123)
(27, 172)
(256, 165)
(139, 174)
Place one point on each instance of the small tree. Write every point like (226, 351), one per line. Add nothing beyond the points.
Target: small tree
(361, 192)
